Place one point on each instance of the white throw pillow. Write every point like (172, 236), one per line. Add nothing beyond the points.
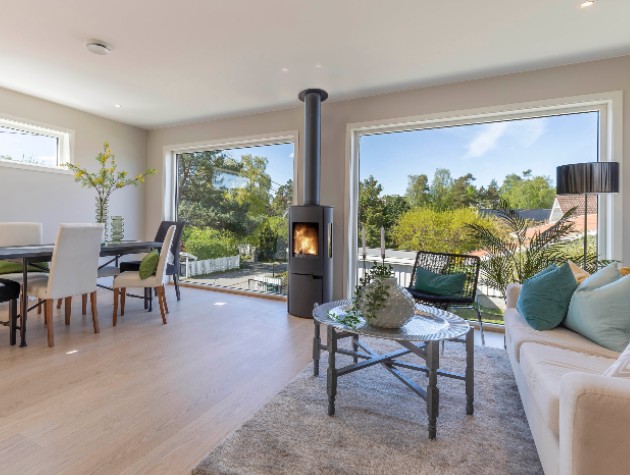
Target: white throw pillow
(621, 367)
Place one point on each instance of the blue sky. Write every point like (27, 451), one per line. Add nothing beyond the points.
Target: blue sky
(486, 150)
(38, 148)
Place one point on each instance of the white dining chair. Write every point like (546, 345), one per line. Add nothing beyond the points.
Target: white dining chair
(73, 271)
(132, 279)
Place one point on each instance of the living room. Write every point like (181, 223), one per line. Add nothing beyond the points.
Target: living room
(482, 63)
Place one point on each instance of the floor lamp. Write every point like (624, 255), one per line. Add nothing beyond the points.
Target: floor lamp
(586, 178)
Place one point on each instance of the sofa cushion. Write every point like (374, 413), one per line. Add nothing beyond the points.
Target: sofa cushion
(543, 367)
(518, 332)
(545, 297)
(602, 313)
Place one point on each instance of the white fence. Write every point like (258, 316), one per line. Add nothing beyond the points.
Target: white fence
(208, 266)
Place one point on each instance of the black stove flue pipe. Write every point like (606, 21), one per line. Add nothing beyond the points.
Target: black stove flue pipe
(312, 99)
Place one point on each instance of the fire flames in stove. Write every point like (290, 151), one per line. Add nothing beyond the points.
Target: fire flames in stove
(305, 239)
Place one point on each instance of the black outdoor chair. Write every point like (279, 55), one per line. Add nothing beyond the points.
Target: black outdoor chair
(10, 292)
(448, 264)
(171, 269)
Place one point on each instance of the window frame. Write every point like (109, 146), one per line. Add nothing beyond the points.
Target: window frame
(610, 108)
(65, 143)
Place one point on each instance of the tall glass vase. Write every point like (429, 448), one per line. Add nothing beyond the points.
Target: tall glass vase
(102, 212)
(118, 228)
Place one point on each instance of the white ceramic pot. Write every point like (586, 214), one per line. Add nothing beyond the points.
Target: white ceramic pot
(397, 309)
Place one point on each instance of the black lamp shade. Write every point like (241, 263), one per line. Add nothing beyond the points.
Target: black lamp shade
(591, 177)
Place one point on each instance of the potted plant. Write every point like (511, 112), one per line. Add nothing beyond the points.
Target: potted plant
(105, 181)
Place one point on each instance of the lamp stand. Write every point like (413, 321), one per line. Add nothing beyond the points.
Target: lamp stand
(585, 229)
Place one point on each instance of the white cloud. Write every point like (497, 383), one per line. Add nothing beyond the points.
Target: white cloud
(291, 155)
(529, 131)
(487, 139)
(523, 133)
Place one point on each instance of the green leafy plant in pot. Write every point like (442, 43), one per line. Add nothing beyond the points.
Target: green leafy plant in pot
(381, 301)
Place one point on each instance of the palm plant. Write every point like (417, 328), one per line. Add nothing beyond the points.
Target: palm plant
(513, 256)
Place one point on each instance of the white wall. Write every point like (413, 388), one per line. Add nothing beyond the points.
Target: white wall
(574, 80)
(54, 198)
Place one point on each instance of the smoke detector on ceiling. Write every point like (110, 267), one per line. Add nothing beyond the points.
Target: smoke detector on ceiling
(98, 47)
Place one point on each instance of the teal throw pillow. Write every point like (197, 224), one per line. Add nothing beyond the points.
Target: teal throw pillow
(449, 285)
(544, 298)
(602, 314)
(149, 264)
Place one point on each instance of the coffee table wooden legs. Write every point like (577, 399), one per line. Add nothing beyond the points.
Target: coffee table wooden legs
(317, 343)
(331, 343)
(433, 392)
(470, 371)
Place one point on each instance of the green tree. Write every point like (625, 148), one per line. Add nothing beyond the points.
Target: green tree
(376, 211)
(282, 199)
(441, 187)
(417, 193)
(438, 231)
(205, 200)
(489, 197)
(463, 192)
(527, 191)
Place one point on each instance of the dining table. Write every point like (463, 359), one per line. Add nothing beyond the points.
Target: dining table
(34, 255)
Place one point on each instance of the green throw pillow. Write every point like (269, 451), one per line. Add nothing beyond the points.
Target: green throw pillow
(601, 313)
(9, 267)
(449, 285)
(149, 264)
(544, 298)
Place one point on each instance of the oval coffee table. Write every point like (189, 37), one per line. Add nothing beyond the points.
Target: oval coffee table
(420, 336)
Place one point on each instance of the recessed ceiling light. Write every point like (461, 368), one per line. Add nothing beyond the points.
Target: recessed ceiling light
(117, 106)
(98, 47)
(587, 3)
(285, 70)
(318, 66)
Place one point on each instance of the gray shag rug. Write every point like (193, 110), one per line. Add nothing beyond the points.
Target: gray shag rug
(380, 426)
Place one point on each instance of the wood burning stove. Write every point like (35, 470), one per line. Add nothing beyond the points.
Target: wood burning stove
(310, 224)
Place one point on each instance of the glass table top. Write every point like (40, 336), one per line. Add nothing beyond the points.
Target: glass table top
(428, 323)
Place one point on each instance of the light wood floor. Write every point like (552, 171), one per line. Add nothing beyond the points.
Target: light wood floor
(143, 397)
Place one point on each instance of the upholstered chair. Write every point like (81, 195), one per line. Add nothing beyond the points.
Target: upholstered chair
(171, 268)
(73, 271)
(156, 281)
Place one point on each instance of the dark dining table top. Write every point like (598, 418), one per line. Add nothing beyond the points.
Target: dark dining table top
(107, 249)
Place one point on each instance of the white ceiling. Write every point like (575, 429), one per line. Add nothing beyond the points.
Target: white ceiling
(187, 60)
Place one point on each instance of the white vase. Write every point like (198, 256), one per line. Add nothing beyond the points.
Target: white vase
(397, 309)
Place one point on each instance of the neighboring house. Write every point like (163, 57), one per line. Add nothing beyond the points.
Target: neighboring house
(564, 203)
(537, 215)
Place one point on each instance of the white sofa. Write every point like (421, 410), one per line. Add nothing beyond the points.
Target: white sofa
(580, 419)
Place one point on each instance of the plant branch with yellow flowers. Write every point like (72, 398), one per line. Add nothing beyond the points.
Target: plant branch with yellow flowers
(107, 178)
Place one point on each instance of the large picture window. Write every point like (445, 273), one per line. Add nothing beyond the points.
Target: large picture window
(444, 175)
(235, 203)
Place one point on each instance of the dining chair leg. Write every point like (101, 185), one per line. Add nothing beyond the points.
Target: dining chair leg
(123, 296)
(39, 306)
(84, 298)
(164, 298)
(59, 303)
(159, 291)
(97, 328)
(176, 281)
(48, 310)
(68, 308)
(115, 316)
